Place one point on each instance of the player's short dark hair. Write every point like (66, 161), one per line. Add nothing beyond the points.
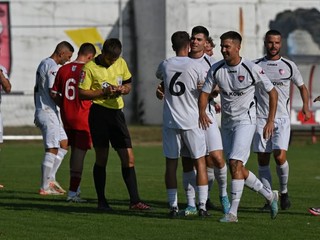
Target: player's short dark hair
(179, 40)
(62, 46)
(231, 35)
(112, 47)
(210, 41)
(200, 29)
(87, 48)
(273, 32)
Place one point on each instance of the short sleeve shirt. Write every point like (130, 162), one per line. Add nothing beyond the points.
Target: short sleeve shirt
(281, 73)
(237, 85)
(95, 76)
(74, 112)
(180, 76)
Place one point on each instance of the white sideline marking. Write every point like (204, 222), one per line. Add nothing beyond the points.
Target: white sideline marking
(21, 137)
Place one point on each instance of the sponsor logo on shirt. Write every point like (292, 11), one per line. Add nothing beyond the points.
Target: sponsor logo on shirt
(233, 94)
(53, 73)
(279, 84)
(272, 64)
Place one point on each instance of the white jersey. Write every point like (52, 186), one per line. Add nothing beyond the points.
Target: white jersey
(206, 62)
(237, 87)
(180, 76)
(281, 73)
(5, 74)
(45, 77)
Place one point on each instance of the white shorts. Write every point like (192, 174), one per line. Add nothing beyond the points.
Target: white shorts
(279, 140)
(51, 128)
(213, 136)
(187, 143)
(1, 129)
(237, 142)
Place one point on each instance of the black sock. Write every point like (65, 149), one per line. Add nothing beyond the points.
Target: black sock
(99, 177)
(129, 177)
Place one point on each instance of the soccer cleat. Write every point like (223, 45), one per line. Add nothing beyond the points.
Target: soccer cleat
(210, 205)
(49, 191)
(265, 208)
(284, 201)
(225, 204)
(189, 211)
(174, 212)
(57, 186)
(104, 206)
(204, 213)
(139, 206)
(229, 217)
(76, 199)
(274, 205)
(314, 211)
(1, 186)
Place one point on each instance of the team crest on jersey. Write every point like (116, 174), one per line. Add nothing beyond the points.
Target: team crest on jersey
(82, 76)
(240, 78)
(261, 72)
(281, 71)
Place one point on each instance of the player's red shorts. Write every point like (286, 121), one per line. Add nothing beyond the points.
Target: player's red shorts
(79, 139)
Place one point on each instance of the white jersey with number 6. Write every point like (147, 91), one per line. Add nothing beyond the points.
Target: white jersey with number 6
(180, 76)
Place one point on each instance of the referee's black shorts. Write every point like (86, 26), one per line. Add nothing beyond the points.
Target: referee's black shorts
(108, 125)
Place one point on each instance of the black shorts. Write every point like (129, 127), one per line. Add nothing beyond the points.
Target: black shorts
(108, 125)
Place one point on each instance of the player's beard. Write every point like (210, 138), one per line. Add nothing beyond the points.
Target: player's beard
(272, 54)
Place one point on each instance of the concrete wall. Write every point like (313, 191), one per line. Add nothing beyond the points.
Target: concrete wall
(37, 26)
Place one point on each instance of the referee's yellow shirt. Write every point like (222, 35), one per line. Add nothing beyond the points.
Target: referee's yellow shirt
(95, 76)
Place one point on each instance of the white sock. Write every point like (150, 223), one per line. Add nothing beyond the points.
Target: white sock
(283, 174)
(265, 176)
(236, 193)
(57, 162)
(189, 184)
(46, 168)
(172, 197)
(211, 177)
(202, 194)
(255, 184)
(221, 176)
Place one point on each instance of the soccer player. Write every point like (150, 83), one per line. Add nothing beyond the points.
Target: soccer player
(6, 86)
(214, 157)
(48, 120)
(104, 80)
(181, 133)
(209, 47)
(74, 115)
(237, 79)
(216, 167)
(282, 72)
